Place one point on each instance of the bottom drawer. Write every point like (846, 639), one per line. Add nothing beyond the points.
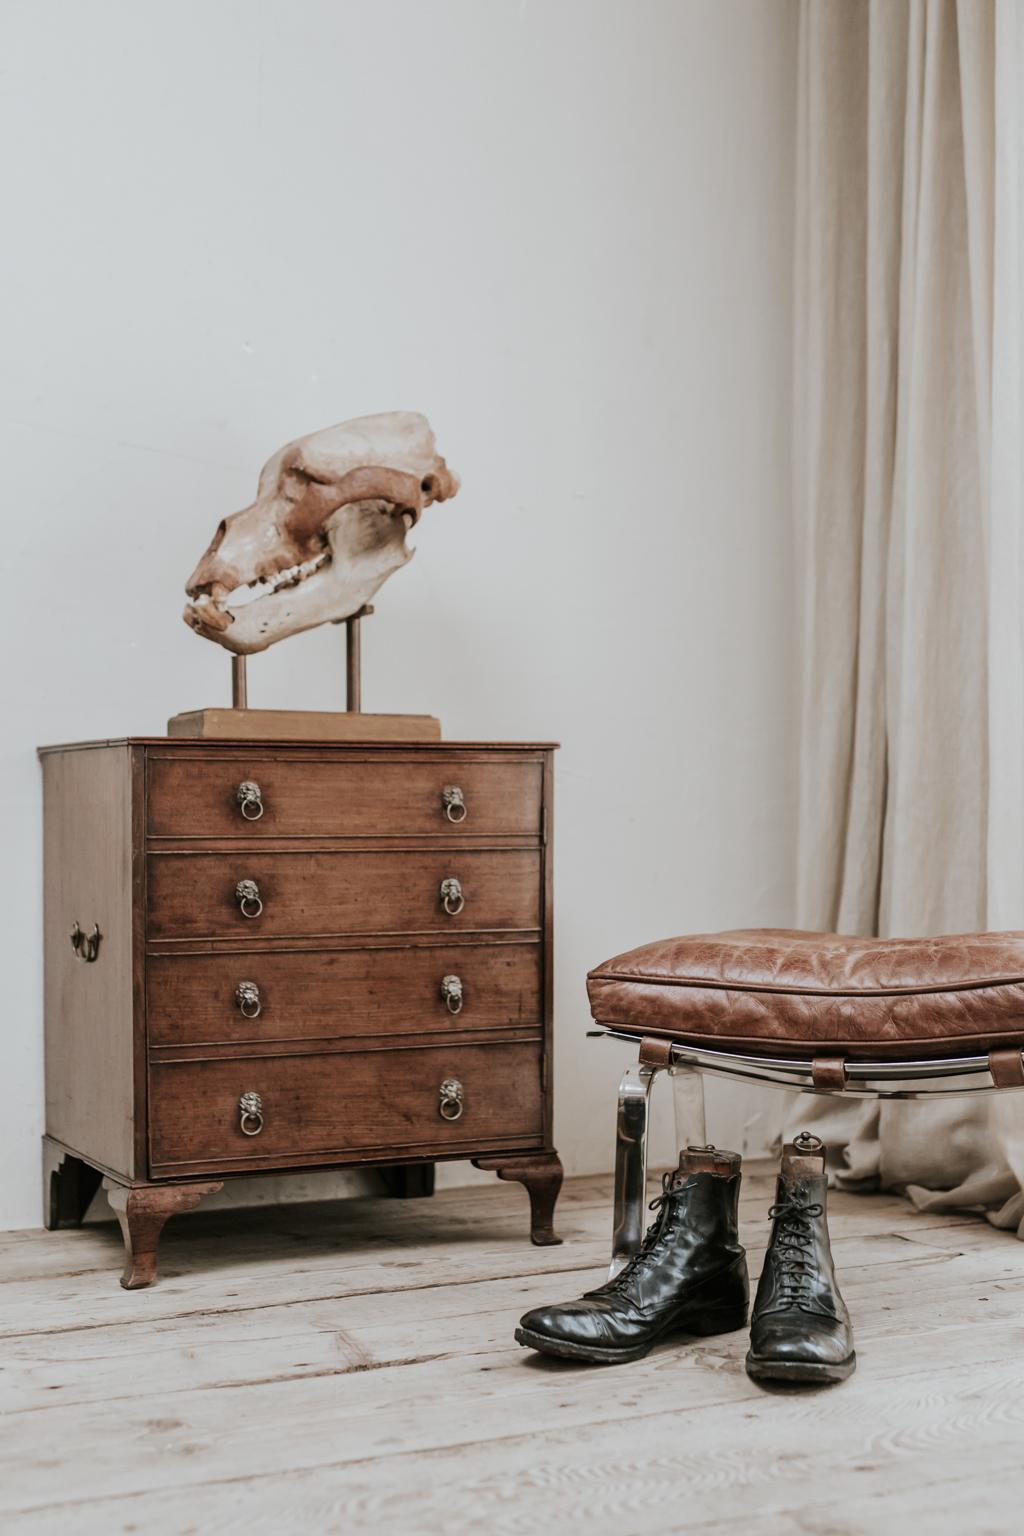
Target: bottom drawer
(342, 1104)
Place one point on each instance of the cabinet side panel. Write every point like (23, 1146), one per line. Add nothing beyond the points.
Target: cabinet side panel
(87, 879)
(549, 947)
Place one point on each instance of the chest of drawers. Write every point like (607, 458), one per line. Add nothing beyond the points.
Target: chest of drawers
(273, 956)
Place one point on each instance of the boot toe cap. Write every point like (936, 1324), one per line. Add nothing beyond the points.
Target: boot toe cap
(807, 1342)
(571, 1322)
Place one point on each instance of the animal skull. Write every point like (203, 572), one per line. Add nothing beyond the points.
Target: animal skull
(326, 530)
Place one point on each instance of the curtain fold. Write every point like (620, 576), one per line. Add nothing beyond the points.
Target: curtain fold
(909, 495)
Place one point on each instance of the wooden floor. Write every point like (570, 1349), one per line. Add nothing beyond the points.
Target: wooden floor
(351, 1368)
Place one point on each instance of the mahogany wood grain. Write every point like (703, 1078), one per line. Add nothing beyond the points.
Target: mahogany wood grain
(318, 1104)
(142, 1212)
(541, 1175)
(147, 1052)
(193, 895)
(87, 878)
(314, 724)
(314, 994)
(342, 796)
(547, 854)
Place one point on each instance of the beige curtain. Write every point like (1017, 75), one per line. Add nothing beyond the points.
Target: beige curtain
(909, 490)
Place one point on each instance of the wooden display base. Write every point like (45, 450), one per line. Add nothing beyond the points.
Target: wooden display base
(302, 725)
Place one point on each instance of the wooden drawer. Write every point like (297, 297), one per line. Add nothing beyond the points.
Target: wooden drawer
(314, 894)
(317, 994)
(192, 797)
(334, 1106)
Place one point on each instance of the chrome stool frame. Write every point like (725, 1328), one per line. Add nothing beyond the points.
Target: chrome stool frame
(686, 1066)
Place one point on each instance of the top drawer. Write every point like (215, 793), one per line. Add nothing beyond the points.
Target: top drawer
(377, 797)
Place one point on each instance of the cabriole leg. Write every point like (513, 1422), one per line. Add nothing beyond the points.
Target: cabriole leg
(540, 1174)
(630, 1164)
(688, 1100)
(142, 1212)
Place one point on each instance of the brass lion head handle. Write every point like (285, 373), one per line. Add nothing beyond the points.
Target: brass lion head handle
(452, 1099)
(451, 992)
(247, 894)
(250, 1114)
(247, 996)
(454, 803)
(250, 799)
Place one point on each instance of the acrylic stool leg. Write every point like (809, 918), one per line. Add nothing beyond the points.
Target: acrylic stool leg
(688, 1099)
(630, 1164)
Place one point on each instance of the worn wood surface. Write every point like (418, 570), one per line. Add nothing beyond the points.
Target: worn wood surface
(87, 878)
(339, 1104)
(541, 1175)
(192, 895)
(142, 1213)
(68, 1186)
(351, 1368)
(148, 1050)
(343, 795)
(391, 991)
(316, 724)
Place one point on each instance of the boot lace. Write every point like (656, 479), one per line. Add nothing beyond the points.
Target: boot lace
(662, 1226)
(792, 1251)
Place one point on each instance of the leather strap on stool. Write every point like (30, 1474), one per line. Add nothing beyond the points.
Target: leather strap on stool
(1007, 1068)
(829, 1072)
(655, 1053)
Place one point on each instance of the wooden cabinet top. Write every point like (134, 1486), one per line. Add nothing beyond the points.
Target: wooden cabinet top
(268, 746)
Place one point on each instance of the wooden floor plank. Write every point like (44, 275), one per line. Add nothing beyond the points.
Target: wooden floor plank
(353, 1369)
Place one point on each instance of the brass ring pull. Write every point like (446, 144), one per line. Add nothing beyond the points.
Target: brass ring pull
(453, 802)
(452, 1099)
(250, 800)
(452, 898)
(86, 948)
(451, 991)
(247, 894)
(247, 996)
(250, 1114)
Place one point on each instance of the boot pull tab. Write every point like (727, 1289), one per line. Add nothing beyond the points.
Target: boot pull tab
(804, 1156)
(708, 1159)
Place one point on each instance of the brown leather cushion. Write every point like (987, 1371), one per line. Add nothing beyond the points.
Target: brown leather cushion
(780, 992)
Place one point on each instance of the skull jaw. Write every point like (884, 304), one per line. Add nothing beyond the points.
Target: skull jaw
(331, 594)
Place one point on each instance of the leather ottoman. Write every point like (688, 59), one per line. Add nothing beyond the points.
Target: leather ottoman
(818, 1012)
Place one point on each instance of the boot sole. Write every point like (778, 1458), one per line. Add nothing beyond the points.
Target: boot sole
(810, 1372)
(702, 1324)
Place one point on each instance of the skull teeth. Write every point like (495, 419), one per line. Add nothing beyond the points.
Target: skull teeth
(277, 583)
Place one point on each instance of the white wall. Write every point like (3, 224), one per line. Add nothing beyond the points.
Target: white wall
(562, 229)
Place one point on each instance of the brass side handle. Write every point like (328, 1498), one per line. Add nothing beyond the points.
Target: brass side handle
(454, 803)
(452, 898)
(451, 1099)
(247, 996)
(250, 800)
(247, 894)
(451, 992)
(250, 1114)
(86, 948)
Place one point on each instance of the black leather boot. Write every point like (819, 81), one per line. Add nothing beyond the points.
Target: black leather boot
(689, 1275)
(800, 1330)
